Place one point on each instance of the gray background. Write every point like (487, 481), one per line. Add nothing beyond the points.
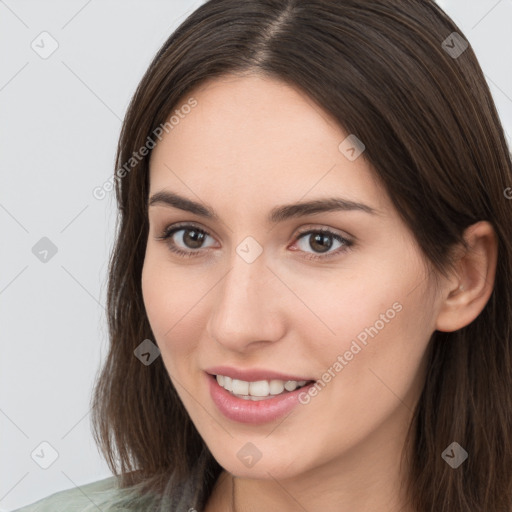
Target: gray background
(60, 120)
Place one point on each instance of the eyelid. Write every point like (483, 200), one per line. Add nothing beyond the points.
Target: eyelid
(181, 225)
(323, 228)
(302, 230)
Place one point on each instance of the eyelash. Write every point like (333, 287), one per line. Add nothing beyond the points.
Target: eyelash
(169, 231)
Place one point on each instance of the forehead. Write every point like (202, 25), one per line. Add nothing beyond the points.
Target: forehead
(254, 135)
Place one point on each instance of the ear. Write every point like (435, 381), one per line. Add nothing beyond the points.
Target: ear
(467, 293)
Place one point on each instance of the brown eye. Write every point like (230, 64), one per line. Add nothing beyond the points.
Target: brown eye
(192, 238)
(321, 241)
(188, 242)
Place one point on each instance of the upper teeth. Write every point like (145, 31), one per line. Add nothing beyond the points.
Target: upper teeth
(258, 388)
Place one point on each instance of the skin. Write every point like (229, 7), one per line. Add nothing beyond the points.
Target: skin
(249, 145)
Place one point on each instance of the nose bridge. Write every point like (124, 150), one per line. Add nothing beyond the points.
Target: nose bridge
(244, 307)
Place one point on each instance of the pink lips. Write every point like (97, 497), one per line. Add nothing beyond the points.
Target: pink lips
(249, 411)
(253, 374)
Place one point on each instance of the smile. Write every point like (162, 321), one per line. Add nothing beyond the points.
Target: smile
(262, 407)
(258, 390)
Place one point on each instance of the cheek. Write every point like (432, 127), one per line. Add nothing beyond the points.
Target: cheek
(378, 321)
(173, 308)
(343, 303)
(382, 358)
(154, 292)
(372, 368)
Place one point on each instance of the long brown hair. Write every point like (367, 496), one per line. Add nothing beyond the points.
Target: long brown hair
(383, 70)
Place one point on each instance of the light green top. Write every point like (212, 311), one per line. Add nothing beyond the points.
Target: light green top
(84, 498)
(106, 496)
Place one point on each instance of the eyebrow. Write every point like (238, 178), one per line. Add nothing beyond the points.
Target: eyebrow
(277, 214)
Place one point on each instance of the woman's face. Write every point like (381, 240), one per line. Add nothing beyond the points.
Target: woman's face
(349, 308)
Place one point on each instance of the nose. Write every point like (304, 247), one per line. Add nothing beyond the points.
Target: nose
(247, 306)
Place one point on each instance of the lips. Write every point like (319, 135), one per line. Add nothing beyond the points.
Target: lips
(255, 374)
(249, 411)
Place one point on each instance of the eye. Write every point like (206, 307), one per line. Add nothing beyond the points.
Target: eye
(322, 240)
(192, 238)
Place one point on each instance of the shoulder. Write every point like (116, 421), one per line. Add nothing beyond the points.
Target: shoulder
(83, 498)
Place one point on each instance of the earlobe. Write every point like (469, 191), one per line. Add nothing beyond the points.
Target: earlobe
(466, 295)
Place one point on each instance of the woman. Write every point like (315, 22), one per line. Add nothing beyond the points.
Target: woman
(309, 301)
